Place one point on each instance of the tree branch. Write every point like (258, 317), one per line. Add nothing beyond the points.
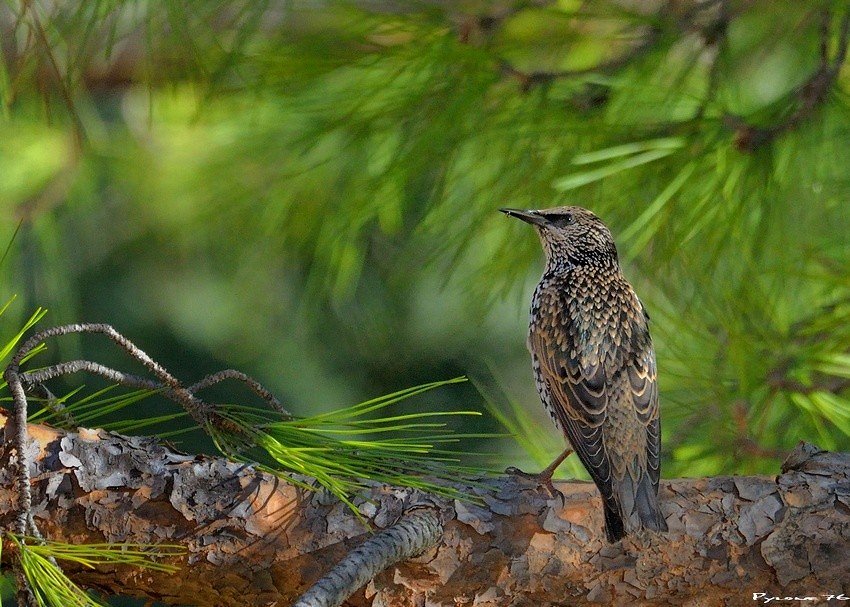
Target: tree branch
(203, 413)
(254, 540)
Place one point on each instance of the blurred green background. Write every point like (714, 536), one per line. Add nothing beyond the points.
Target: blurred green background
(307, 191)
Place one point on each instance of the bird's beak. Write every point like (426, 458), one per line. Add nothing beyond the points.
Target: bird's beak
(532, 217)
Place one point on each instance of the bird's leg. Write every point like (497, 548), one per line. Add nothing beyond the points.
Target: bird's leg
(544, 477)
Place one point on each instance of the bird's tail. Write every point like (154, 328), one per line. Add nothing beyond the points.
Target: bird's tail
(614, 529)
(634, 506)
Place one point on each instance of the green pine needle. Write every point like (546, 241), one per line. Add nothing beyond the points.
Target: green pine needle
(52, 588)
(10, 345)
(525, 430)
(341, 448)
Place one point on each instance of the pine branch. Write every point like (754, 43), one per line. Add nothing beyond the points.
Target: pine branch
(252, 540)
(204, 414)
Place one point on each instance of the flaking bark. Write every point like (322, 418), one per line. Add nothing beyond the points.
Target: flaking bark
(255, 540)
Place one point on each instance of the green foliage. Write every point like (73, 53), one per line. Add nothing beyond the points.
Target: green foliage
(97, 409)
(312, 194)
(524, 430)
(343, 448)
(52, 588)
(8, 347)
(340, 449)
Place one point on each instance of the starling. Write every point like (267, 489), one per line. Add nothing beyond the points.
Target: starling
(594, 365)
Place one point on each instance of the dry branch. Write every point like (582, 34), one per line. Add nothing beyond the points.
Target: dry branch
(254, 540)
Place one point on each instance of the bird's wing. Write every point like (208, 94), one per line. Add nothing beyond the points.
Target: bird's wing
(579, 397)
(580, 387)
(644, 387)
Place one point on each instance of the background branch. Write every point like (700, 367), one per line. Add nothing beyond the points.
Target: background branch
(807, 97)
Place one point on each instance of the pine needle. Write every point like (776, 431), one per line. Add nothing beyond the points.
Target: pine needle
(341, 449)
(52, 588)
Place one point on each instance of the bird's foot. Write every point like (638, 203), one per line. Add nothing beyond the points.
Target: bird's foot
(541, 479)
(544, 478)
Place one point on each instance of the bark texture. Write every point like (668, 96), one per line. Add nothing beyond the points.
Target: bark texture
(254, 540)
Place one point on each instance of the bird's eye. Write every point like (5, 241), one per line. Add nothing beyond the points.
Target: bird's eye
(561, 219)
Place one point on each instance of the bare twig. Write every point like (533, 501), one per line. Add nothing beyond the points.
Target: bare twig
(200, 411)
(824, 36)
(249, 381)
(41, 36)
(23, 514)
(482, 25)
(76, 366)
(777, 380)
(20, 438)
(412, 535)
(715, 40)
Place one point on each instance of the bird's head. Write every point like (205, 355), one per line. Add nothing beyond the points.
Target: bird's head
(571, 236)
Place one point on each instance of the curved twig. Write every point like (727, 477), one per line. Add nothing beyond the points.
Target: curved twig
(530, 79)
(250, 382)
(76, 366)
(198, 409)
(412, 535)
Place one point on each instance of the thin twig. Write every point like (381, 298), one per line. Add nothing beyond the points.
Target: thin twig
(197, 409)
(41, 37)
(75, 366)
(20, 438)
(823, 30)
(53, 403)
(412, 535)
(716, 44)
(819, 383)
(249, 381)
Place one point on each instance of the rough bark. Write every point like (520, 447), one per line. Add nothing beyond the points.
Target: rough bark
(254, 540)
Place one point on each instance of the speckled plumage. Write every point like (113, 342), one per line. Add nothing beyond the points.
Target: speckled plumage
(594, 364)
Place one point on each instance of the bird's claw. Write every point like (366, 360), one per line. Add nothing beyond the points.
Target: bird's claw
(542, 480)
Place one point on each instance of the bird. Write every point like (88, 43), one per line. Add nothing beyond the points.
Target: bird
(594, 366)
